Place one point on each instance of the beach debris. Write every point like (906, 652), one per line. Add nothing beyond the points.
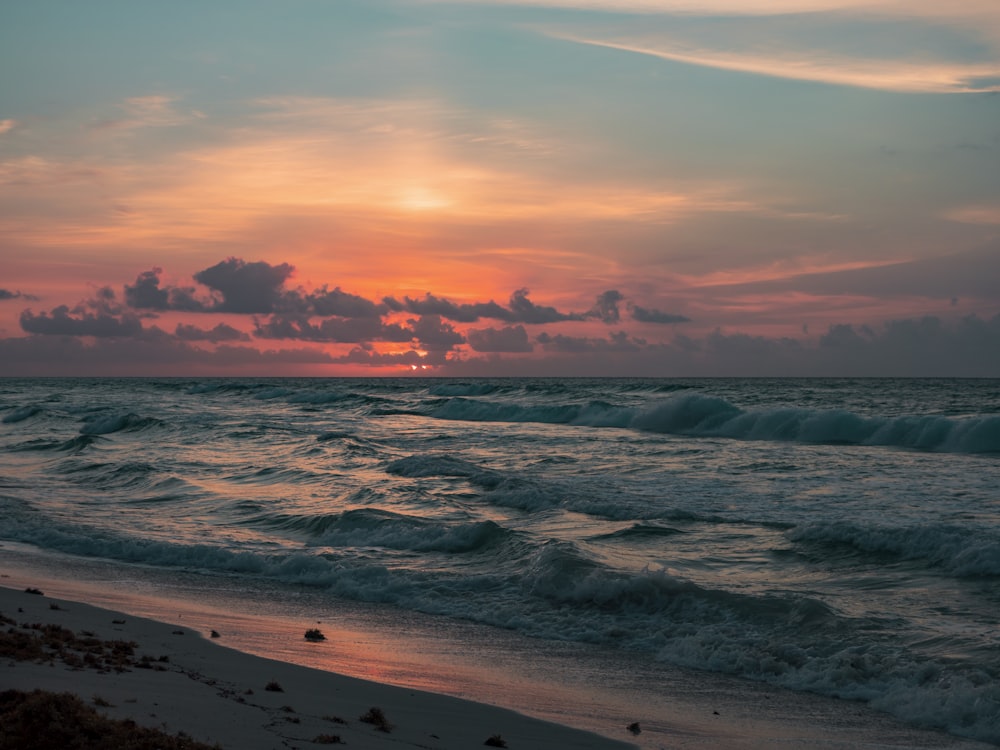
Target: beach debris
(315, 634)
(327, 739)
(178, 632)
(495, 741)
(117, 622)
(634, 728)
(274, 687)
(55, 607)
(31, 590)
(47, 643)
(376, 718)
(215, 634)
(45, 719)
(336, 720)
(101, 702)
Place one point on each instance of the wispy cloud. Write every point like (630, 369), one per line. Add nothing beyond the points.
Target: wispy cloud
(978, 214)
(912, 76)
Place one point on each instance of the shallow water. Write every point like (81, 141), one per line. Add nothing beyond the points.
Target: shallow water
(834, 536)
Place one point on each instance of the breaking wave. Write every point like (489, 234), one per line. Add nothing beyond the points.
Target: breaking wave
(699, 415)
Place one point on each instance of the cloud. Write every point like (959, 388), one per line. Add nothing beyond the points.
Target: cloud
(978, 214)
(434, 334)
(64, 322)
(154, 355)
(510, 339)
(221, 332)
(652, 315)
(371, 358)
(967, 274)
(523, 310)
(325, 302)
(152, 111)
(615, 343)
(906, 76)
(245, 287)
(6, 294)
(146, 294)
(460, 313)
(333, 330)
(520, 309)
(7, 125)
(606, 306)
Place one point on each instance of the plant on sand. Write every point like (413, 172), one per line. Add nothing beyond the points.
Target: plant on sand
(315, 634)
(327, 739)
(376, 718)
(41, 720)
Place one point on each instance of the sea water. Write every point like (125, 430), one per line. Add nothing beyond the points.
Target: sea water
(835, 536)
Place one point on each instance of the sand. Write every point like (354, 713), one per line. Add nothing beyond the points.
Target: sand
(217, 694)
(181, 680)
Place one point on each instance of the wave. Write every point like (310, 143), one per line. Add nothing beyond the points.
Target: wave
(953, 549)
(462, 389)
(370, 527)
(105, 425)
(71, 446)
(557, 591)
(21, 413)
(699, 415)
(640, 531)
(592, 414)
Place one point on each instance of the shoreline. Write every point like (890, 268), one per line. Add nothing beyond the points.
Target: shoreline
(218, 695)
(540, 686)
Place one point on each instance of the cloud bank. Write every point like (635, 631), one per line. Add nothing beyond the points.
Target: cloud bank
(258, 322)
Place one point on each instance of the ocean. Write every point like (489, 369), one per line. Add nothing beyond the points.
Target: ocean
(830, 536)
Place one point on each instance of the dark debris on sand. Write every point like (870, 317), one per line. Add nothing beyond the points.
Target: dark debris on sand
(42, 720)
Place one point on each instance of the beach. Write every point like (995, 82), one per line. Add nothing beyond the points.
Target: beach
(180, 682)
(184, 681)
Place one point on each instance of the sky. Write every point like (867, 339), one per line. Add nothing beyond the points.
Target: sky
(667, 188)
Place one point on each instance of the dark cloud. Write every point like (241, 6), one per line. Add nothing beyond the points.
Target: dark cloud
(324, 303)
(62, 322)
(614, 343)
(153, 355)
(362, 356)
(7, 294)
(652, 315)
(221, 332)
(526, 311)
(509, 339)
(100, 316)
(465, 313)
(246, 287)
(606, 306)
(146, 294)
(333, 330)
(520, 309)
(434, 334)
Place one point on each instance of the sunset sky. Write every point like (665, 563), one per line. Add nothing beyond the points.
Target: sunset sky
(507, 187)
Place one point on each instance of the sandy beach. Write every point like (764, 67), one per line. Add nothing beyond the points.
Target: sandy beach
(178, 680)
(181, 680)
